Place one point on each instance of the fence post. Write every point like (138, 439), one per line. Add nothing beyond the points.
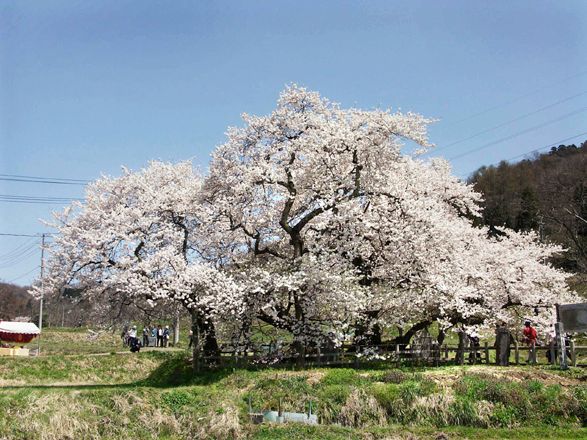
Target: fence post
(486, 353)
(552, 354)
(461, 349)
(573, 354)
(517, 352)
(397, 354)
(445, 352)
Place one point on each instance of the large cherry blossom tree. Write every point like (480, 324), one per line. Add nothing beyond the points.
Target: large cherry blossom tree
(315, 219)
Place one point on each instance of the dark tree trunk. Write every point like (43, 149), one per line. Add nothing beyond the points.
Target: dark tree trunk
(208, 330)
(441, 336)
(366, 333)
(204, 340)
(196, 340)
(404, 339)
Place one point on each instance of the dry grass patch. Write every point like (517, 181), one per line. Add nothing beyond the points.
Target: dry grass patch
(61, 419)
(222, 424)
(362, 409)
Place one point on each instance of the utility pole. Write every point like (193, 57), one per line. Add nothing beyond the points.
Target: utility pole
(42, 295)
(560, 340)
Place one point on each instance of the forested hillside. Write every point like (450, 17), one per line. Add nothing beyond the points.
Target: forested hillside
(16, 301)
(546, 194)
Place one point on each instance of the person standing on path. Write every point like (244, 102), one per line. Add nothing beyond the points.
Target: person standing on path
(132, 334)
(154, 335)
(166, 336)
(530, 337)
(159, 336)
(145, 336)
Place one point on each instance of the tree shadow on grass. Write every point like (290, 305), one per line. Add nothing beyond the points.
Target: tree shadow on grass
(177, 370)
(173, 370)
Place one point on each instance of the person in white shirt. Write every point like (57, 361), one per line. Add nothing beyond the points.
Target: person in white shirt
(159, 336)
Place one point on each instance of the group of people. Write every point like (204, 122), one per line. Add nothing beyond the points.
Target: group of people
(155, 336)
(530, 338)
(159, 335)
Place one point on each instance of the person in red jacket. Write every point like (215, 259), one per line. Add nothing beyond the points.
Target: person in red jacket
(530, 337)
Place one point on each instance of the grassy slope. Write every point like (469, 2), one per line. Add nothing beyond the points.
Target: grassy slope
(57, 340)
(152, 395)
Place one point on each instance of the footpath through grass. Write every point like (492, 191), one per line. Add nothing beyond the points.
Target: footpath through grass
(154, 395)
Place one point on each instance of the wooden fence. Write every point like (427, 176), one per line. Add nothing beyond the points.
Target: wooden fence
(398, 355)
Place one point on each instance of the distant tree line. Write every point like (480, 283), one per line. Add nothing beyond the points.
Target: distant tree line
(68, 307)
(546, 194)
(15, 301)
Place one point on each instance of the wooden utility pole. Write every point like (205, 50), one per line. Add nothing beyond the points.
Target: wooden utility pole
(42, 295)
(176, 326)
(560, 339)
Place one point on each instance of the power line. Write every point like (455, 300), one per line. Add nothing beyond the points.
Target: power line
(545, 147)
(21, 258)
(40, 179)
(536, 127)
(436, 150)
(17, 249)
(12, 198)
(16, 253)
(10, 179)
(517, 98)
(15, 196)
(23, 275)
(552, 144)
(5, 234)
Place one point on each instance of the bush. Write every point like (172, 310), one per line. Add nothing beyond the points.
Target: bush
(524, 403)
(292, 391)
(394, 376)
(463, 412)
(177, 400)
(411, 389)
(332, 398)
(504, 416)
(387, 396)
(341, 376)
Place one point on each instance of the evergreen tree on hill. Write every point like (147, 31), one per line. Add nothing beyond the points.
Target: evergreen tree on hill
(546, 194)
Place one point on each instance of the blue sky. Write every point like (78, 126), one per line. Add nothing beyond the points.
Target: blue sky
(86, 87)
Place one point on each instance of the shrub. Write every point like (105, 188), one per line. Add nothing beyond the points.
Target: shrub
(477, 387)
(177, 400)
(341, 376)
(535, 386)
(504, 416)
(292, 391)
(387, 396)
(394, 376)
(332, 398)
(411, 389)
(463, 412)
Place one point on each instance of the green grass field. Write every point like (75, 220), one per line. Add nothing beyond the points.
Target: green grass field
(154, 395)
